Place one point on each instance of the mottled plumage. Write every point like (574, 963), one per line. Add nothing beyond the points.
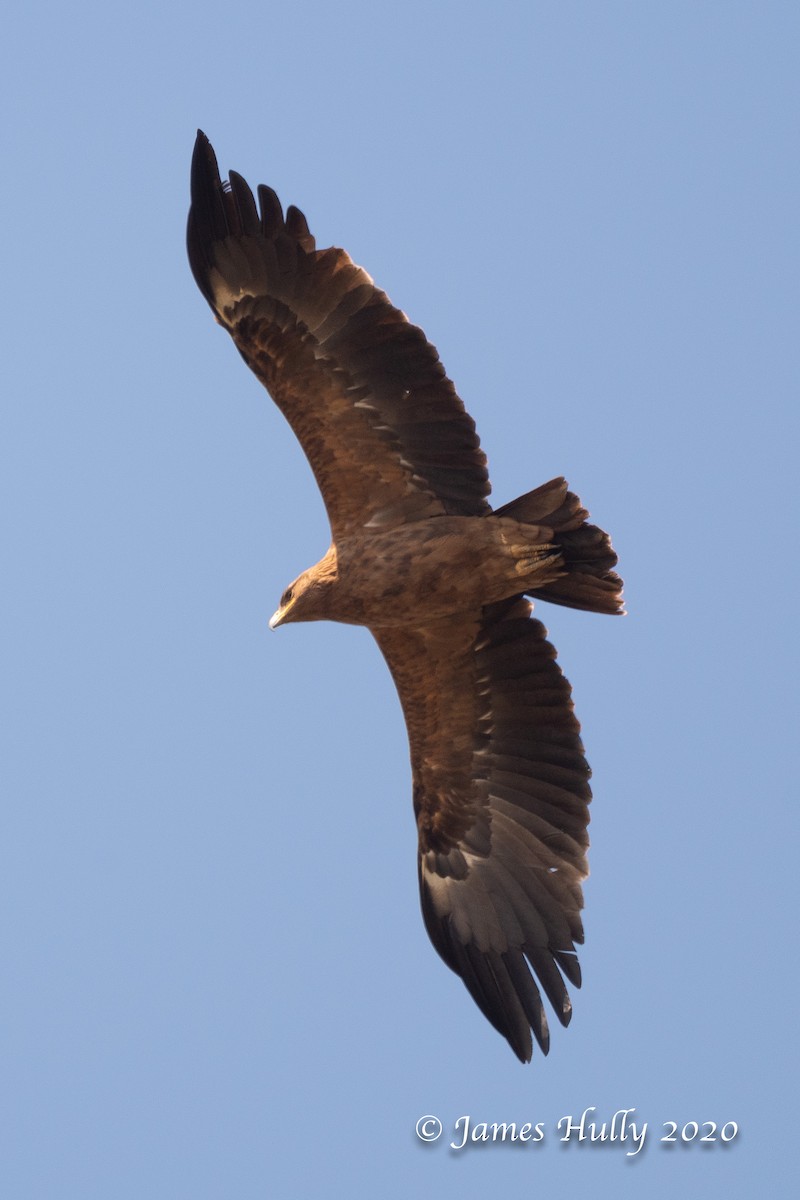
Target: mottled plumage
(501, 785)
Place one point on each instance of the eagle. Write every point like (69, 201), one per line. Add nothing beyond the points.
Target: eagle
(444, 583)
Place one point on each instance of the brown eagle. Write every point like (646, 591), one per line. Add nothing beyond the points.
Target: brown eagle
(501, 785)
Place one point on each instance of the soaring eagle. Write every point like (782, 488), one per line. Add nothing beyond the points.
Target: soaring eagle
(500, 782)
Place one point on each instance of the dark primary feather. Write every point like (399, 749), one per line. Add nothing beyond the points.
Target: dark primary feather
(501, 793)
(381, 424)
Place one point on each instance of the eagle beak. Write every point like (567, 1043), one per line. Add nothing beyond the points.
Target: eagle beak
(276, 619)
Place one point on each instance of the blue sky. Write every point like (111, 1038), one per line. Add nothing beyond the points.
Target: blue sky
(217, 982)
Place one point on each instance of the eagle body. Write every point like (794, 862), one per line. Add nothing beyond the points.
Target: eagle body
(421, 572)
(443, 581)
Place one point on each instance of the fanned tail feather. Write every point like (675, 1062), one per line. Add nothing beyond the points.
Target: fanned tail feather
(588, 581)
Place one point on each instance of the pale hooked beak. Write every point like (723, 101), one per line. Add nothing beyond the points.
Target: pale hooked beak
(275, 619)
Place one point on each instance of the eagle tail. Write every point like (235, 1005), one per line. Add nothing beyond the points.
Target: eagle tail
(588, 581)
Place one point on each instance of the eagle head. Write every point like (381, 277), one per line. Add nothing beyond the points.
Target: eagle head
(310, 597)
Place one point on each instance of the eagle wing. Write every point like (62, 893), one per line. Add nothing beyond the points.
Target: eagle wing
(387, 436)
(501, 795)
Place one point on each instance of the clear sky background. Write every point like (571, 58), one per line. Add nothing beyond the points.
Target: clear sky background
(216, 979)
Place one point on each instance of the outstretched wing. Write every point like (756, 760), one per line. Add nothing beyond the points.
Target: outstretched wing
(387, 437)
(501, 794)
